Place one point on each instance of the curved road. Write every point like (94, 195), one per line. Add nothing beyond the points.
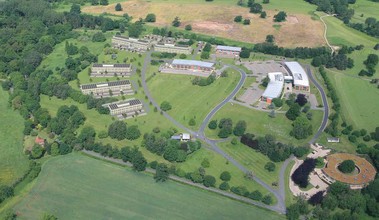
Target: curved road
(279, 194)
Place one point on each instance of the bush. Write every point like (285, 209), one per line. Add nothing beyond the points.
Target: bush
(165, 106)
(224, 186)
(238, 18)
(267, 200)
(205, 163)
(212, 124)
(209, 181)
(102, 134)
(225, 176)
(118, 7)
(188, 27)
(98, 37)
(246, 21)
(192, 122)
(270, 166)
(150, 18)
(347, 166)
(256, 195)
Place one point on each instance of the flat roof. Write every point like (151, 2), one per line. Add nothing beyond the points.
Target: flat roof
(193, 63)
(173, 46)
(105, 84)
(118, 65)
(300, 77)
(275, 86)
(116, 105)
(229, 48)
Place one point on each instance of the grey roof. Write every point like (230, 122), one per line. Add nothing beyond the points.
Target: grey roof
(107, 84)
(172, 45)
(120, 65)
(275, 86)
(228, 48)
(193, 63)
(300, 77)
(121, 104)
(131, 39)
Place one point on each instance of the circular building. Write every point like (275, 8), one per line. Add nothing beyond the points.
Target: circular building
(364, 173)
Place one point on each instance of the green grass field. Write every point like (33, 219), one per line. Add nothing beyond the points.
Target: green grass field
(289, 196)
(259, 123)
(13, 162)
(187, 100)
(366, 8)
(252, 160)
(79, 187)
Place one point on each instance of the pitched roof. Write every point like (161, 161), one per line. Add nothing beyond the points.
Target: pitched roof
(125, 103)
(228, 48)
(105, 84)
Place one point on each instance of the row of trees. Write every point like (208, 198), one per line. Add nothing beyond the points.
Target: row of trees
(226, 127)
(202, 81)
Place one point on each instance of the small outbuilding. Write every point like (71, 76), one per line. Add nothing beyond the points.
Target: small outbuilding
(333, 140)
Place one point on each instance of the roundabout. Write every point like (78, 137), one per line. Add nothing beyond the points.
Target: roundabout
(363, 174)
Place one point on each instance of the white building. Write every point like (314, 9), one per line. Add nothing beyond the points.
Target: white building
(129, 43)
(274, 87)
(193, 65)
(300, 77)
(227, 50)
(172, 48)
(109, 70)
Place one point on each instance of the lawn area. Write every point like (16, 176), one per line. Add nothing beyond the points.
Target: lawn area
(359, 101)
(252, 160)
(67, 183)
(190, 101)
(290, 198)
(13, 162)
(367, 8)
(259, 123)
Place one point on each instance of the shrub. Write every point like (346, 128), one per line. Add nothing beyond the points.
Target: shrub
(205, 163)
(212, 124)
(267, 200)
(118, 7)
(270, 166)
(347, 166)
(209, 181)
(150, 18)
(188, 27)
(224, 186)
(165, 106)
(256, 195)
(225, 176)
(238, 18)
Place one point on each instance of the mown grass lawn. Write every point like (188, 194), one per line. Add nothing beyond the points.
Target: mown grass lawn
(260, 123)
(79, 187)
(187, 100)
(13, 162)
(252, 160)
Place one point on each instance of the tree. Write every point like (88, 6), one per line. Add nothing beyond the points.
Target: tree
(209, 181)
(133, 133)
(302, 128)
(138, 161)
(212, 124)
(171, 153)
(266, 1)
(267, 200)
(225, 176)
(246, 21)
(240, 128)
(347, 166)
(117, 130)
(270, 38)
(192, 122)
(263, 14)
(301, 99)
(54, 149)
(150, 18)
(256, 195)
(37, 152)
(224, 186)
(204, 55)
(293, 112)
(165, 106)
(205, 163)
(281, 16)
(250, 3)
(104, 2)
(161, 173)
(75, 9)
(256, 8)
(118, 7)
(135, 29)
(188, 27)
(270, 166)
(9, 215)
(278, 102)
(238, 18)
(87, 135)
(98, 37)
(176, 22)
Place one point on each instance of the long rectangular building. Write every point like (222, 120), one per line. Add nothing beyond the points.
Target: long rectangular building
(300, 77)
(193, 65)
(227, 50)
(103, 88)
(172, 48)
(274, 87)
(128, 43)
(109, 70)
(125, 107)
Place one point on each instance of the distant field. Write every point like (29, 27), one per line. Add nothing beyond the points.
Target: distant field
(79, 187)
(216, 18)
(367, 8)
(190, 101)
(13, 162)
(259, 123)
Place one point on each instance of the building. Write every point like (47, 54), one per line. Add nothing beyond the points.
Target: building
(172, 48)
(40, 141)
(274, 87)
(193, 65)
(333, 140)
(109, 70)
(300, 77)
(125, 107)
(227, 50)
(99, 89)
(128, 43)
(181, 137)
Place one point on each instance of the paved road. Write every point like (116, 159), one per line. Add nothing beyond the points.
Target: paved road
(280, 206)
(324, 102)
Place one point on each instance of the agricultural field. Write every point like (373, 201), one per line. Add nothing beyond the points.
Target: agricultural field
(190, 101)
(216, 18)
(13, 162)
(252, 160)
(116, 192)
(260, 123)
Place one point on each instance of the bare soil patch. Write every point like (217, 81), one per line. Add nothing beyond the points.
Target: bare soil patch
(298, 30)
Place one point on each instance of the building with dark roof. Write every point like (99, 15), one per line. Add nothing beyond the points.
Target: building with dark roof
(99, 89)
(124, 107)
(128, 43)
(172, 48)
(109, 70)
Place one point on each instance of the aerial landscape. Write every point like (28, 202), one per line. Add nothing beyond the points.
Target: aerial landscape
(189, 109)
